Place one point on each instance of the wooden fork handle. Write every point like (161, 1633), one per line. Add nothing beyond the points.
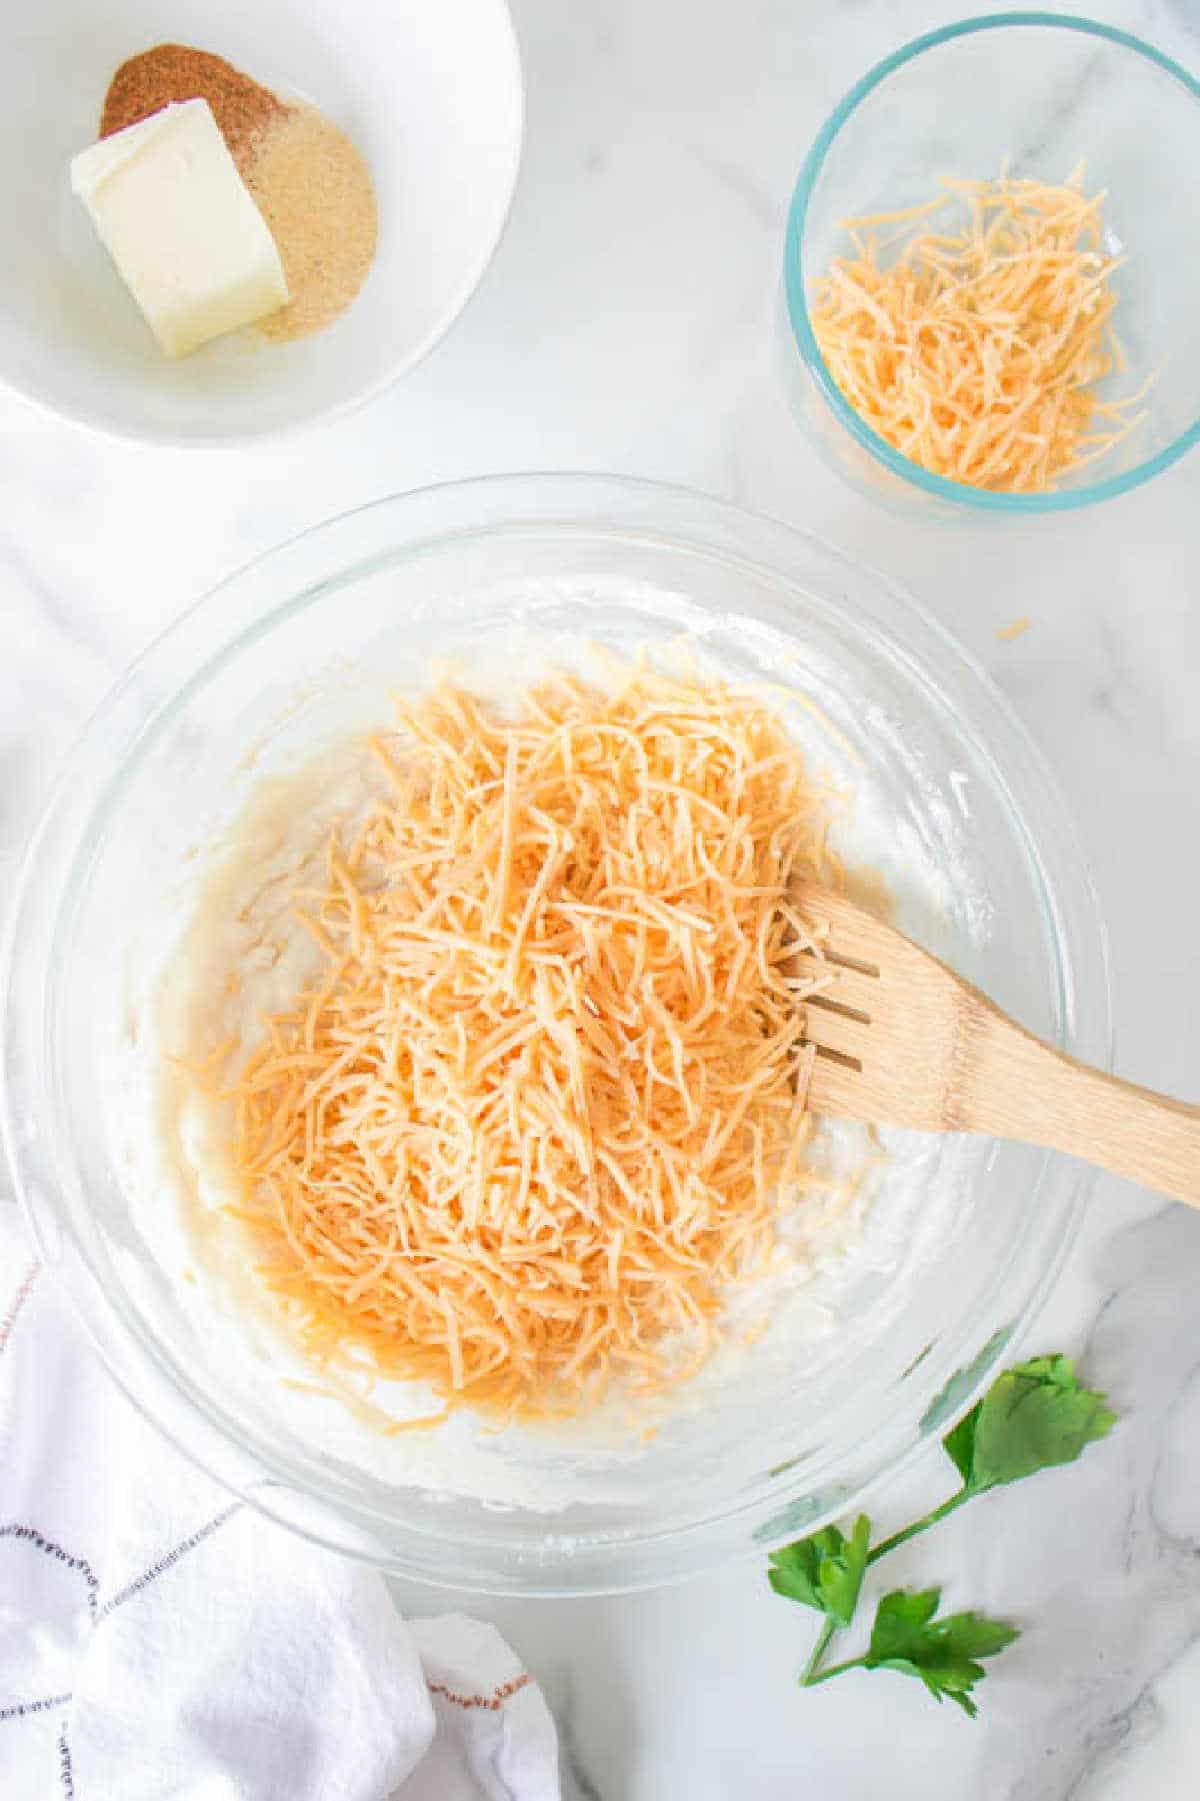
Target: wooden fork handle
(1021, 1088)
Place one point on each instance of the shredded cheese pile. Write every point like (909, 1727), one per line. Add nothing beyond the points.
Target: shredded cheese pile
(541, 1107)
(977, 353)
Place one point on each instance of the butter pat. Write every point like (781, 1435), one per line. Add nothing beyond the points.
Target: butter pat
(178, 221)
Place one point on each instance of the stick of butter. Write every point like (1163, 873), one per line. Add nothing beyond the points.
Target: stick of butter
(178, 221)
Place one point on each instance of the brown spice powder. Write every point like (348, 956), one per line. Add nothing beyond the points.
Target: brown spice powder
(173, 72)
(308, 181)
(315, 193)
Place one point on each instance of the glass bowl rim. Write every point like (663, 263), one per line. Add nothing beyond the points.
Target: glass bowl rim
(503, 498)
(939, 486)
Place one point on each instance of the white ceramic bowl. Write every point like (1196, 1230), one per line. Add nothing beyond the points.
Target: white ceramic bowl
(431, 94)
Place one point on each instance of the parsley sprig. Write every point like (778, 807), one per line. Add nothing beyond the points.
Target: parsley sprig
(1033, 1416)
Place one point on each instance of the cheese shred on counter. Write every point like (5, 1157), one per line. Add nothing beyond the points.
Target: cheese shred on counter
(977, 353)
(547, 1097)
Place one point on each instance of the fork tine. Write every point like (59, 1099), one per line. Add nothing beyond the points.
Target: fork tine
(852, 932)
(830, 1029)
(848, 987)
(839, 1091)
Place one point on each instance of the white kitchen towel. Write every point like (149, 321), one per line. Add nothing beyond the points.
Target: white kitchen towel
(162, 1641)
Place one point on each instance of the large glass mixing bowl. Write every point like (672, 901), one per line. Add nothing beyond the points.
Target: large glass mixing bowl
(318, 632)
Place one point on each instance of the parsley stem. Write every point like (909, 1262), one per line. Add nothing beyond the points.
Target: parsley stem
(818, 1651)
(930, 1519)
(835, 1669)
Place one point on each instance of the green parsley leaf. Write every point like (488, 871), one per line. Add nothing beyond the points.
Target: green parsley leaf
(824, 1571)
(1033, 1416)
(943, 1654)
(959, 1445)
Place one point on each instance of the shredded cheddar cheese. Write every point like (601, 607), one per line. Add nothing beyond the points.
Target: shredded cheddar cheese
(540, 1109)
(1014, 629)
(977, 352)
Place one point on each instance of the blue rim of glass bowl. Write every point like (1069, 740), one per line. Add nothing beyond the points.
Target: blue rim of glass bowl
(958, 492)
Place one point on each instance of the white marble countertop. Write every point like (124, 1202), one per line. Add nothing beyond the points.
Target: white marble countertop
(626, 326)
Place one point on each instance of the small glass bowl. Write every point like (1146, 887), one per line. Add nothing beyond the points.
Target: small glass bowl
(1037, 93)
(309, 641)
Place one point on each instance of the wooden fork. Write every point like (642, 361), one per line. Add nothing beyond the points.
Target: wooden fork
(901, 1040)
